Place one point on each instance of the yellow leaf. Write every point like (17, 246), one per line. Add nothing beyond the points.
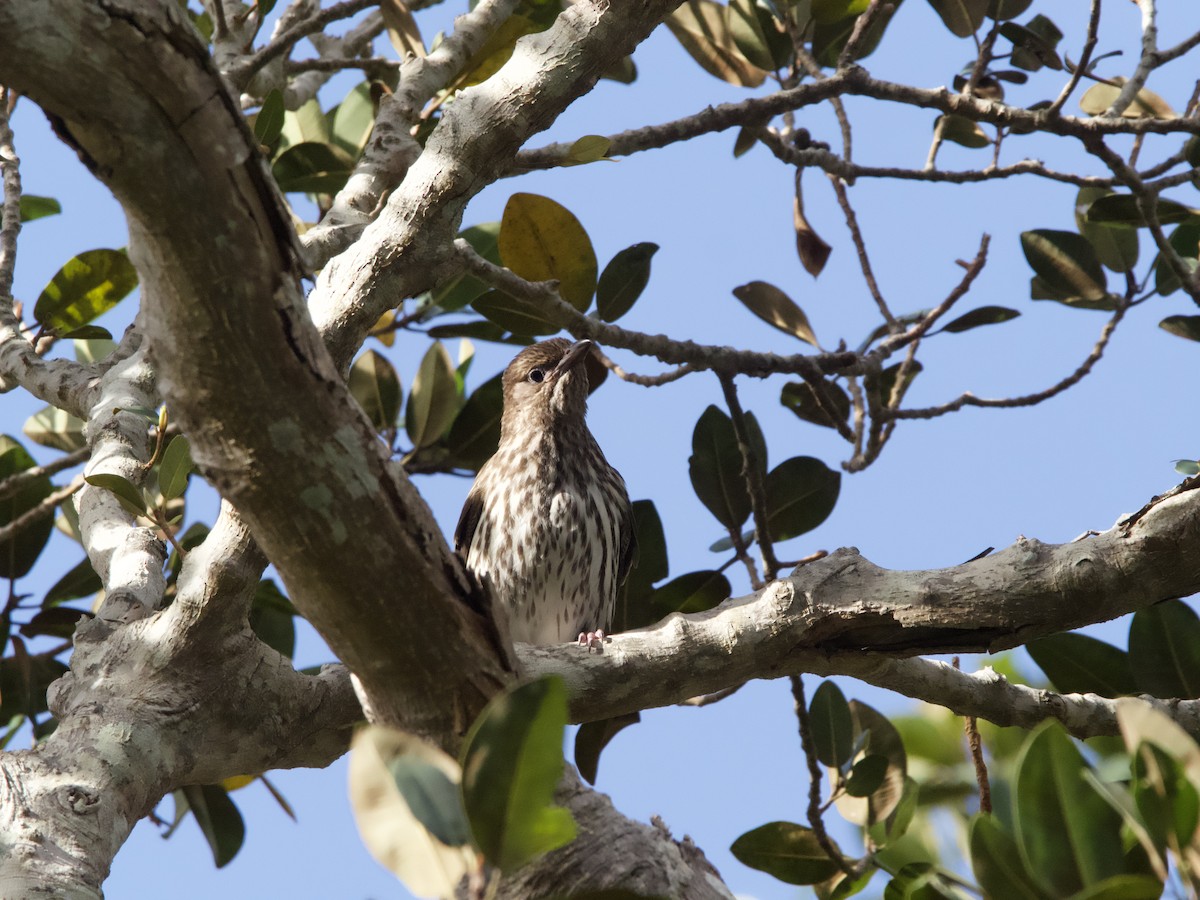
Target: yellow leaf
(541, 240)
(703, 29)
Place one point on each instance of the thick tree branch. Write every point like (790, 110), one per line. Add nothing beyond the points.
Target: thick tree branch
(841, 614)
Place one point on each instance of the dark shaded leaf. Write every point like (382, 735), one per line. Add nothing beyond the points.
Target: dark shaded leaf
(866, 777)
(623, 280)
(777, 309)
(1122, 209)
(312, 168)
(1182, 326)
(997, 862)
(432, 798)
(623, 72)
(811, 249)
(1164, 650)
(757, 35)
(1116, 247)
(479, 330)
(57, 621)
(21, 550)
(690, 593)
(649, 566)
(832, 726)
(24, 679)
(87, 286)
(475, 434)
(801, 493)
(715, 467)
(962, 17)
(800, 398)
(466, 288)
(829, 39)
(785, 850)
(1034, 43)
(888, 390)
(219, 820)
(516, 314)
(541, 240)
(433, 400)
(593, 737)
(746, 138)
(876, 735)
(1078, 664)
(80, 581)
(1066, 262)
(984, 315)
(268, 123)
(1186, 242)
(511, 762)
(1007, 9)
(272, 618)
(373, 382)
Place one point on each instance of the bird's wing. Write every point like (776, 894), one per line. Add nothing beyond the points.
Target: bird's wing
(468, 521)
(628, 543)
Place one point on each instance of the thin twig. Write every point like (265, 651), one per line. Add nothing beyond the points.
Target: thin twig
(1089, 46)
(714, 697)
(644, 380)
(1146, 64)
(368, 65)
(44, 509)
(284, 42)
(814, 785)
(864, 261)
(975, 746)
(752, 473)
(13, 484)
(861, 25)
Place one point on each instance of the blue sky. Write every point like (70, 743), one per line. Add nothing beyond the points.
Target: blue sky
(942, 491)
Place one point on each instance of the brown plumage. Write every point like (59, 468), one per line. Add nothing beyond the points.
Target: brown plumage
(547, 523)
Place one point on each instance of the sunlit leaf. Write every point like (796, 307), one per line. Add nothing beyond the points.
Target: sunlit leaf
(87, 286)
(801, 399)
(757, 34)
(56, 428)
(776, 308)
(962, 131)
(175, 467)
(1146, 104)
(587, 149)
(541, 240)
(375, 385)
(402, 28)
(353, 121)
(785, 850)
(20, 551)
(511, 762)
(703, 30)
(35, 207)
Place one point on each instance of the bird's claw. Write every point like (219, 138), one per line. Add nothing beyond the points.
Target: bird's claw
(592, 639)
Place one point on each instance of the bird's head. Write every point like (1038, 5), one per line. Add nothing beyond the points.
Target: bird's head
(546, 385)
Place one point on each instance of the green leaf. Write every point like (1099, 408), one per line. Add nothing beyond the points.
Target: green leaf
(874, 734)
(702, 27)
(1186, 242)
(88, 332)
(832, 725)
(402, 28)
(465, 288)
(124, 490)
(273, 618)
(1007, 9)
(89, 285)
(498, 49)
(867, 775)
(1164, 650)
(1146, 104)
(785, 850)
(398, 818)
(21, 550)
(80, 581)
(962, 131)
(1123, 887)
(827, 12)
(829, 40)
(1182, 326)
(888, 389)
(475, 434)
(777, 309)
(1122, 209)
(593, 737)
(175, 467)
(1066, 262)
(984, 315)
(1187, 467)
(997, 863)
(1078, 664)
(715, 467)
(24, 681)
(1116, 247)
(746, 138)
(55, 428)
(218, 819)
(34, 207)
(757, 35)
(690, 593)
(623, 280)
(1034, 43)
(516, 314)
(511, 762)
(312, 168)
(649, 566)
(1069, 837)
(801, 493)
(353, 121)
(800, 398)
(962, 17)
(587, 149)
(268, 123)
(541, 240)
(375, 385)
(433, 400)
(1165, 800)
(57, 621)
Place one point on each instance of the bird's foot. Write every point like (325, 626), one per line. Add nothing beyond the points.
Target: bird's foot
(592, 639)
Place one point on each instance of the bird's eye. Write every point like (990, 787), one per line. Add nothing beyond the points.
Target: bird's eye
(537, 376)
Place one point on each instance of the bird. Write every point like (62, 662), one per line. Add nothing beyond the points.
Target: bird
(548, 525)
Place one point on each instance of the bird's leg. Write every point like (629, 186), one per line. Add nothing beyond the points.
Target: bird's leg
(595, 639)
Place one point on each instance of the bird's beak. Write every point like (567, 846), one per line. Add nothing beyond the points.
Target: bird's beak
(572, 358)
